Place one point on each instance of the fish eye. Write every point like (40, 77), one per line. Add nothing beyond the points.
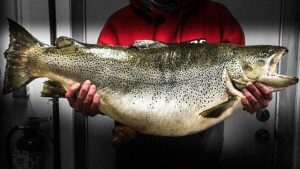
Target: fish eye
(265, 54)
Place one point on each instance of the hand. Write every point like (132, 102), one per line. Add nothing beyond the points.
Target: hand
(83, 98)
(257, 97)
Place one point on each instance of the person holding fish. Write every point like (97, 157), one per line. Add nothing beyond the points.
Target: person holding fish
(170, 21)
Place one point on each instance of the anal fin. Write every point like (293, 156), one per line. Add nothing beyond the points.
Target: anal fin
(218, 110)
(53, 89)
(122, 134)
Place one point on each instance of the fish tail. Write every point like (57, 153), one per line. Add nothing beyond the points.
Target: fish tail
(17, 71)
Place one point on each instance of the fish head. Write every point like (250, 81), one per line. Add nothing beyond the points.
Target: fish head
(259, 64)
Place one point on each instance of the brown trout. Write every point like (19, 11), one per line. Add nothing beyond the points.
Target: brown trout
(151, 87)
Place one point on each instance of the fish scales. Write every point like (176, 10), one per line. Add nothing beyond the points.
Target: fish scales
(143, 80)
(152, 87)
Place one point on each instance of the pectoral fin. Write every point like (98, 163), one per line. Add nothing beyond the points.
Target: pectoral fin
(218, 110)
(239, 84)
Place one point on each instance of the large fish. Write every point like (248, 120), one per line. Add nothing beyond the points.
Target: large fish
(151, 87)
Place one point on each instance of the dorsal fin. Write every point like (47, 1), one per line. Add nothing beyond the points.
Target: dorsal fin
(147, 44)
(63, 41)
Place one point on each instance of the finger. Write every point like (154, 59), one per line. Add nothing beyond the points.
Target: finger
(252, 100)
(255, 92)
(263, 102)
(88, 100)
(247, 105)
(264, 90)
(71, 93)
(82, 94)
(95, 105)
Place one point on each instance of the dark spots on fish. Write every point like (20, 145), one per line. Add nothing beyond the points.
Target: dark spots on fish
(188, 78)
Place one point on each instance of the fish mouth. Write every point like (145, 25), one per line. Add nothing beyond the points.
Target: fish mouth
(275, 58)
(273, 80)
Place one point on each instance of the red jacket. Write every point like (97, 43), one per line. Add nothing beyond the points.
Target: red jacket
(194, 19)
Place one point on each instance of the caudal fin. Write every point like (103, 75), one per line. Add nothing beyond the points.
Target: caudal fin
(17, 72)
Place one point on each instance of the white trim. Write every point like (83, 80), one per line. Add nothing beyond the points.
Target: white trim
(296, 154)
(277, 94)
